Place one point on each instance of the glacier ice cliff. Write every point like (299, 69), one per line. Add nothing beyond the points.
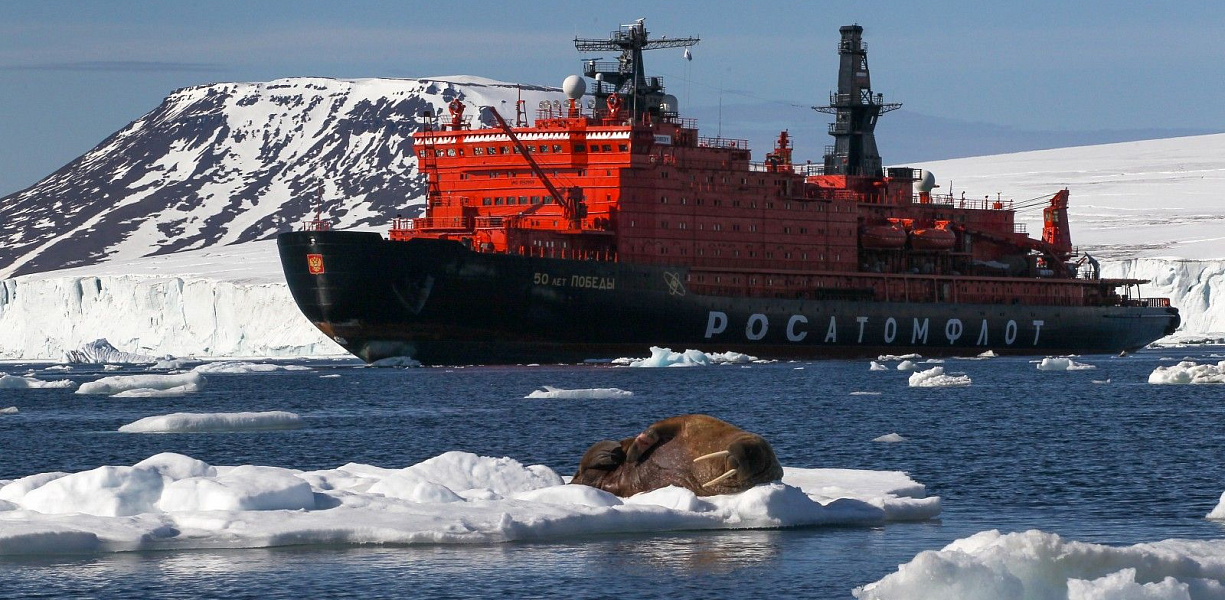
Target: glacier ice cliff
(1196, 287)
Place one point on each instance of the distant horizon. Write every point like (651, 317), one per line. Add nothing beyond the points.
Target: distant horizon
(75, 73)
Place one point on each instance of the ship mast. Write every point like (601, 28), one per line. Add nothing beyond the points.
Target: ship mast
(856, 109)
(627, 77)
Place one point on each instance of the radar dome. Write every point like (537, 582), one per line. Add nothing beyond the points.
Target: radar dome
(574, 87)
(668, 104)
(925, 182)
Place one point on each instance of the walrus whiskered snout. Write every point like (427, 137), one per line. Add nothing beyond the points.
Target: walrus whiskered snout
(750, 458)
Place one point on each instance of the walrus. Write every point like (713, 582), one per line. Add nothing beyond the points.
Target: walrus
(697, 452)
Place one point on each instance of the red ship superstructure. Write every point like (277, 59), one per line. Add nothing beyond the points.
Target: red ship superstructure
(702, 243)
(630, 180)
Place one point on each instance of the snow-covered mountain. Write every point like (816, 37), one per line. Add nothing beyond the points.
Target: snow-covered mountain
(236, 162)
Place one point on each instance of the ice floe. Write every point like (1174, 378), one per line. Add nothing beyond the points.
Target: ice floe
(935, 377)
(214, 422)
(877, 367)
(238, 366)
(14, 382)
(101, 351)
(1189, 372)
(170, 501)
(12, 410)
(1063, 363)
(890, 438)
(897, 357)
(665, 357)
(581, 394)
(1035, 565)
(906, 365)
(172, 383)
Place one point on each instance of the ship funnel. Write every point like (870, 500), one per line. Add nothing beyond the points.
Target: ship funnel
(574, 86)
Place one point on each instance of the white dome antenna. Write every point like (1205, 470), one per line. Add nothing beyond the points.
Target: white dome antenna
(574, 86)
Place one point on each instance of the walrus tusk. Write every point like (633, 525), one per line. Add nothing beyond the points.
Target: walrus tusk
(719, 454)
(719, 478)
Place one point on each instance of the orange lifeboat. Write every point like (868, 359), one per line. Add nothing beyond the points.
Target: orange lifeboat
(933, 238)
(886, 236)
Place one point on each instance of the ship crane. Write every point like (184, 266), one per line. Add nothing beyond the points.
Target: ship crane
(571, 203)
(627, 76)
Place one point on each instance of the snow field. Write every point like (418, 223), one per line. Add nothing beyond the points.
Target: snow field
(171, 501)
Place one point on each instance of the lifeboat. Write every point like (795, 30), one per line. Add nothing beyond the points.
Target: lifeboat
(889, 236)
(933, 238)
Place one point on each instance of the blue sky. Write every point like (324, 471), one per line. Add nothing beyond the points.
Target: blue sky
(71, 73)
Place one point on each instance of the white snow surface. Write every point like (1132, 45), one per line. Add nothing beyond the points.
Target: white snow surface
(171, 501)
(172, 383)
(15, 382)
(666, 357)
(1063, 363)
(215, 422)
(935, 377)
(583, 394)
(1035, 565)
(1188, 372)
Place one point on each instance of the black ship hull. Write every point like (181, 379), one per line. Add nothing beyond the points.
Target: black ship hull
(440, 303)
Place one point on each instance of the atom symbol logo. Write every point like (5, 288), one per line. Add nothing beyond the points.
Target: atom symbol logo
(675, 287)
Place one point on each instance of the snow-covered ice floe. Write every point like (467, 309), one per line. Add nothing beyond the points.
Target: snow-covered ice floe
(145, 385)
(12, 410)
(665, 357)
(895, 357)
(215, 422)
(1035, 565)
(101, 351)
(238, 366)
(935, 377)
(1189, 372)
(890, 438)
(1063, 363)
(171, 501)
(14, 382)
(877, 367)
(906, 365)
(583, 394)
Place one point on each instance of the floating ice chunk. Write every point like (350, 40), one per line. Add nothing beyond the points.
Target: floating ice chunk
(237, 366)
(890, 438)
(188, 382)
(58, 368)
(101, 351)
(117, 367)
(1040, 566)
(214, 422)
(935, 377)
(906, 365)
(893, 357)
(583, 394)
(170, 364)
(171, 501)
(1189, 372)
(665, 357)
(988, 354)
(1062, 363)
(877, 367)
(394, 362)
(865, 393)
(13, 382)
(156, 393)
(332, 376)
(12, 410)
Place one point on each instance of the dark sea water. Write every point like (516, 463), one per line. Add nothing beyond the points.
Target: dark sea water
(1115, 462)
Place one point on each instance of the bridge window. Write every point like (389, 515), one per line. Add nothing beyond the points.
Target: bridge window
(522, 199)
(478, 151)
(623, 147)
(580, 147)
(503, 150)
(752, 228)
(421, 153)
(663, 199)
(595, 147)
(606, 148)
(535, 199)
(492, 150)
(497, 201)
(486, 201)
